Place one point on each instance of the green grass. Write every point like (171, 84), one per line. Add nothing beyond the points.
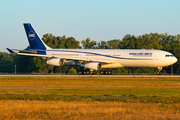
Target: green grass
(133, 87)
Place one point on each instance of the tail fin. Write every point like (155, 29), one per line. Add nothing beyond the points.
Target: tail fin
(35, 41)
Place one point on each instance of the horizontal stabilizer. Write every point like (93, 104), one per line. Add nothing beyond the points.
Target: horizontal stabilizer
(10, 50)
(27, 51)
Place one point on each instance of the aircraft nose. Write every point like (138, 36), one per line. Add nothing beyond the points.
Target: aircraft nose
(175, 60)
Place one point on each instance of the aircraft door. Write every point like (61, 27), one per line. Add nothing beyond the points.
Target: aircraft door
(156, 56)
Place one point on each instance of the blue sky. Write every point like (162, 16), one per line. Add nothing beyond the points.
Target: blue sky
(97, 19)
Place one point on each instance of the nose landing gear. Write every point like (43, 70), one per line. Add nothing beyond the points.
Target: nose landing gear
(159, 70)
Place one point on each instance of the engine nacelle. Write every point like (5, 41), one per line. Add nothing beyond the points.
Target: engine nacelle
(55, 62)
(93, 65)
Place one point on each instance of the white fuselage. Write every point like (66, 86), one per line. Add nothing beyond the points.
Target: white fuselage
(118, 57)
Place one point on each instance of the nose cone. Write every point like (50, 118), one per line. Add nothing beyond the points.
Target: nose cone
(174, 60)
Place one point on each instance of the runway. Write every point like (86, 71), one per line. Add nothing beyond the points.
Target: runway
(109, 76)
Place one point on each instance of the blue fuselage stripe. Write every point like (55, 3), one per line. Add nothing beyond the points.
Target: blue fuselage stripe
(97, 54)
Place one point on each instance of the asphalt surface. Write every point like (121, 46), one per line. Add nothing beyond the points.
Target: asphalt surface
(51, 75)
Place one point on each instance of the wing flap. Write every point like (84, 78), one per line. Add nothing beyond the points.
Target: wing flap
(35, 55)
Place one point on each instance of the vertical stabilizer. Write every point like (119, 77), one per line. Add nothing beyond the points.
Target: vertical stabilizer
(35, 41)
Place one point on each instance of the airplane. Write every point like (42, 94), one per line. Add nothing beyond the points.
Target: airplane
(95, 59)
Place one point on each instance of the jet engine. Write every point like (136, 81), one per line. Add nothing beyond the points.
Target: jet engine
(55, 62)
(93, 65)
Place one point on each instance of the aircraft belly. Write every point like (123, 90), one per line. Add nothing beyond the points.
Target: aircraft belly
(114, 65)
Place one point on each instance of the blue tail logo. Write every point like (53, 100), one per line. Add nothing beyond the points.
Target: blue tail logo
(31, 35)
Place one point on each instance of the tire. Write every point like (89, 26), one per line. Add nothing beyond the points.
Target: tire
(158, 73)
(107, 72)
(102, 72)
(88, 72)
(80, 72)
(94, 72)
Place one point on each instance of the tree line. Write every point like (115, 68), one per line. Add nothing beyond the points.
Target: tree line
(27, 64)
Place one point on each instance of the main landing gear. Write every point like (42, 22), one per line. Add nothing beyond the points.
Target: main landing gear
(106, 72)
(93, 72)
(159, 70)
(87, 72)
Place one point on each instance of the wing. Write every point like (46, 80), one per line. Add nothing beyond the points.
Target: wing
(84, 59)
(35, 55)
(63, 57)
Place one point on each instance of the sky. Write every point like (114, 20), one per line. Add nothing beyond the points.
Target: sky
(97, 19)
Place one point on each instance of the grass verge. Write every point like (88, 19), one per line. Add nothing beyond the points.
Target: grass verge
(128, 89)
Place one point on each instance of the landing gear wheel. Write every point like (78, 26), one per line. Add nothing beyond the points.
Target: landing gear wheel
(91, 72)
(80, 72)
(158, 73)
(102, 72)
(110, 72)
(85, 72)
(94, 72)
(88, 72)
(106, 72)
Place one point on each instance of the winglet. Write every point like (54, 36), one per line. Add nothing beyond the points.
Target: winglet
(10, 50)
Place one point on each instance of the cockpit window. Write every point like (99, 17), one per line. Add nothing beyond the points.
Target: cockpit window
(169, 55)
